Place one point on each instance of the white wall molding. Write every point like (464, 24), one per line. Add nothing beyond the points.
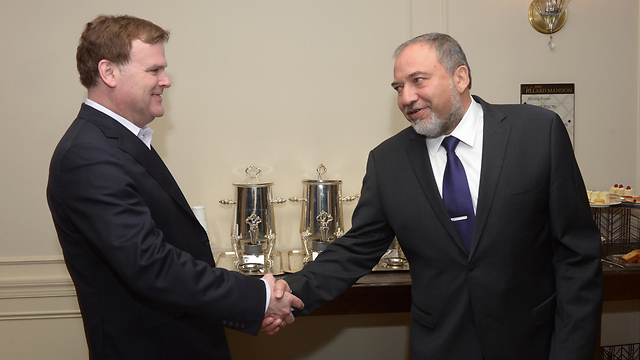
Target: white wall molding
(43, 315)
(36, 260)
(33, 267)
(36, 288)
(38, 299)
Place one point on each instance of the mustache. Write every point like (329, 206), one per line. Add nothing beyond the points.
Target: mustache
(409, 109)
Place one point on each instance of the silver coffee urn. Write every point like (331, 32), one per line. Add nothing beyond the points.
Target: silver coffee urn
(253, 233)
(321, 221)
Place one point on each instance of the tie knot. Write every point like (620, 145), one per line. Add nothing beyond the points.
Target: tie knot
(450, 143)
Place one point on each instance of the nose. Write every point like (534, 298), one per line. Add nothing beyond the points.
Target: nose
(407, 97)
(164, 80)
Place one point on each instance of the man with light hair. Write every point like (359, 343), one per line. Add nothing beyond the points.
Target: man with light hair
(141, 262)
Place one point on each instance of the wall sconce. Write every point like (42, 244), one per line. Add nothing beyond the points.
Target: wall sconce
(548, 16)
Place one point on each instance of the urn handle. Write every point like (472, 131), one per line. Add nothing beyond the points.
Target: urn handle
(321, 170)
(253, 172)
(350, 198)
(297, 199)
(279, 201)
(227, 202)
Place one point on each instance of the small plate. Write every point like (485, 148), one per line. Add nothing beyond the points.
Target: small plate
(392, 260)
(612, 202)
(391, 264)
(618, 260)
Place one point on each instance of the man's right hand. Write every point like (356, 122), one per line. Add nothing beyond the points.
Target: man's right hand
(279, 312)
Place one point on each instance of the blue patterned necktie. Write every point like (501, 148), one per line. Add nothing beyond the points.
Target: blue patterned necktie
(456, 194)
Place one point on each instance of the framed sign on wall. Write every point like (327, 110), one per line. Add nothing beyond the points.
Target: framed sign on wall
(556, 97)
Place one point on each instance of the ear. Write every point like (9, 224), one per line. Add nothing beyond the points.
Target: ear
(107, 72)
(461, 78)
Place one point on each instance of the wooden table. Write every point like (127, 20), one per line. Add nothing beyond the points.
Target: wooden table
(381, 295)
(621, 284)
(375, 293)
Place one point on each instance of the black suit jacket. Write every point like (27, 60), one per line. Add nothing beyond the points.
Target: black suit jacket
(531, 285)
(140, 261)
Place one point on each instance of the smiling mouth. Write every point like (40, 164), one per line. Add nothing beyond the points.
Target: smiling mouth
(411, 111)
(416, 106)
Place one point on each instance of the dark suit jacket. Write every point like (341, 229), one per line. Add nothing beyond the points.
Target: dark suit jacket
(140, 261)
(531, 286)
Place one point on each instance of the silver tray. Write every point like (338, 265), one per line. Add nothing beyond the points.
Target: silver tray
(292, 262)
(225, 260)
(618, 260)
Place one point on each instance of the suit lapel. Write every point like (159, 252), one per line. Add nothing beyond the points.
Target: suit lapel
(152, 162)
(421, 165)
(169, 183)
(496, 136)
(129, 143)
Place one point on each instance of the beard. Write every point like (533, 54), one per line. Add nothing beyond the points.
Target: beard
(434, 126)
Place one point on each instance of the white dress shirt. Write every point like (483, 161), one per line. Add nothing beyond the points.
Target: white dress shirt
(143, 134)
(469, 150)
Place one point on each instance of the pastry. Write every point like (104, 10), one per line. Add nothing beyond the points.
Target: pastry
(629, 192)
(632, 256)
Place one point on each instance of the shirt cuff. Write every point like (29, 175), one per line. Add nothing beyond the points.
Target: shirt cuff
(267, 288)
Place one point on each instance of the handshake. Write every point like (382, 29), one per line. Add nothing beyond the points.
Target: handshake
(281, 305)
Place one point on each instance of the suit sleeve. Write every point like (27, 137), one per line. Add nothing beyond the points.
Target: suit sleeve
(102, 201)
(347, 258)
(577, 259)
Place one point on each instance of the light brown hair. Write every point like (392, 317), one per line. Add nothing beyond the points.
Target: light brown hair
(110, 38)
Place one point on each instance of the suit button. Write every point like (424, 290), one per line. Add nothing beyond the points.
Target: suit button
(471, 267)
(224, 322)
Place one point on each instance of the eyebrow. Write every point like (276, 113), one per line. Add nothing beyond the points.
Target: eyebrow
(411, 76)
(417, 73)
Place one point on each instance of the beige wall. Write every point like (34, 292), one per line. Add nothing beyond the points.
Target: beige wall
(285, 85)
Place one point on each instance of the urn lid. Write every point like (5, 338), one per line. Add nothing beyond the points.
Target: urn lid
(321, 170)
(253, 182)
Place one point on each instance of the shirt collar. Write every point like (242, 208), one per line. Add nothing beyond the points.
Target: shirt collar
(143, 134)
(465, 130)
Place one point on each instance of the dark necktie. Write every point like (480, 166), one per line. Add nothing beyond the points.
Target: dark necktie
(456, 194)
